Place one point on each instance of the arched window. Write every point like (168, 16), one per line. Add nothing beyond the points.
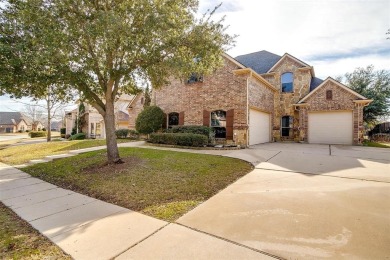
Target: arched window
(173, 119)
(218, 122)
(287, 80)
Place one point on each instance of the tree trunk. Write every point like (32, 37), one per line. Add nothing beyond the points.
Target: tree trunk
(48, 129)
(109, 123)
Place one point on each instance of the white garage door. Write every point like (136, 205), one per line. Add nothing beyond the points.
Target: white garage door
(330, 128)
(259, 127)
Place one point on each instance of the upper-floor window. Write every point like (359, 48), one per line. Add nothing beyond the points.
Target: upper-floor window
(329, 95)
(195, 77)
(287, 82)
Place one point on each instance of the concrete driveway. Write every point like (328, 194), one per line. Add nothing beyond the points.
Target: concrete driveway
(305, 201)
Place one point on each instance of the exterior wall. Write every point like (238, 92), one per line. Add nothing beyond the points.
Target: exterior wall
(93, 117)
(261, 97)
(220, 91)
(342, 100)
(134, 109)
(283, 102)
(22, 126)
(5, 128)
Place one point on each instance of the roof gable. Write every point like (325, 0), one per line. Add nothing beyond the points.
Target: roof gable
(329, 79)
(234, 61)
(315, 82)
(10, 118)
(260, 61)
(288, 56)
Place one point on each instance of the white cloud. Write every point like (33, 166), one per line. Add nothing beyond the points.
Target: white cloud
(332, 35)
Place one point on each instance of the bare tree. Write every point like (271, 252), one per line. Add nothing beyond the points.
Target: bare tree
(53, 107)
(35, 112)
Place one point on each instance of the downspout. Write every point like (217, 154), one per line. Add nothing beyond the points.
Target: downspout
(247, 110)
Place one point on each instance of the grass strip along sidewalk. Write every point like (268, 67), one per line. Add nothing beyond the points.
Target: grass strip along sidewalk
(22, 154)
(162, 184)
(18, 240)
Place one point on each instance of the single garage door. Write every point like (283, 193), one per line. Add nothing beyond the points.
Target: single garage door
(259, 127)
(330, 128)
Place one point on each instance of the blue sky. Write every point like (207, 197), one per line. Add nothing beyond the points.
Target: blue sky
(334, 36)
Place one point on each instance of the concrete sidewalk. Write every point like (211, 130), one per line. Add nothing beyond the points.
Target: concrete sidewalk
(87, 228)
(251, 219)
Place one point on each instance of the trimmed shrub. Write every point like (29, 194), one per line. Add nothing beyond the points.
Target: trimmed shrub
(79, 136)
(133, 134)
(184, 139)
(193, 129)
(43, 129)
(20, 131)
(150, 120)
(34, 134)
(67, 136)
(122, 133)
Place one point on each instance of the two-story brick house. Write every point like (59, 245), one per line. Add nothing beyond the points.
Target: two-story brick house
(263, 97)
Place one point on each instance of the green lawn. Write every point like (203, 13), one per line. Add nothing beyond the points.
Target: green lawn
(18, 240)
(375, 144)
(24, 153)
(163, 184)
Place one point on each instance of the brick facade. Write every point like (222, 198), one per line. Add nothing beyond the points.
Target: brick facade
(135, 107)
(223, 90)
(236, 89)
(341, 100)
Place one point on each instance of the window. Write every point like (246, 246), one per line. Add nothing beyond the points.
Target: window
(195, 77)
(142, 101)
(329, 95)
(92, 128)
(287, 82)
(218, 122)
(287, 123)
(173, 119)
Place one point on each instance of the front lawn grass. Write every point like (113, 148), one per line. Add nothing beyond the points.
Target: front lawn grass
(18, 240)
(375, 144)
(162, 184)
(24, 153)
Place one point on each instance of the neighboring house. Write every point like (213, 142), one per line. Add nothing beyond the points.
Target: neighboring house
(12, 122)
(93, 123)
(37, 126)
(262, 97)
(135, 107)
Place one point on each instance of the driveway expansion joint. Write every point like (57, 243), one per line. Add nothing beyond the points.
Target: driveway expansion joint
(323, 175)
(232, 242)
(273, 156)
(140, 241)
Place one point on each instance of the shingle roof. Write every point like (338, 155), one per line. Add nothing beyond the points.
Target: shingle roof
(7, 117)
(315, 82)
(260, 61)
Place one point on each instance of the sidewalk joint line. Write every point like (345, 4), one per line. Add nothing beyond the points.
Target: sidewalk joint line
(324, 175)
(140, 241)
(29, 193)
(24, 186)
(62, 211)
(42, 201)
(232, 242)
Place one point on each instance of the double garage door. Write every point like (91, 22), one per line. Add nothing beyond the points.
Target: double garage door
(330, 127)
(259, 127)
